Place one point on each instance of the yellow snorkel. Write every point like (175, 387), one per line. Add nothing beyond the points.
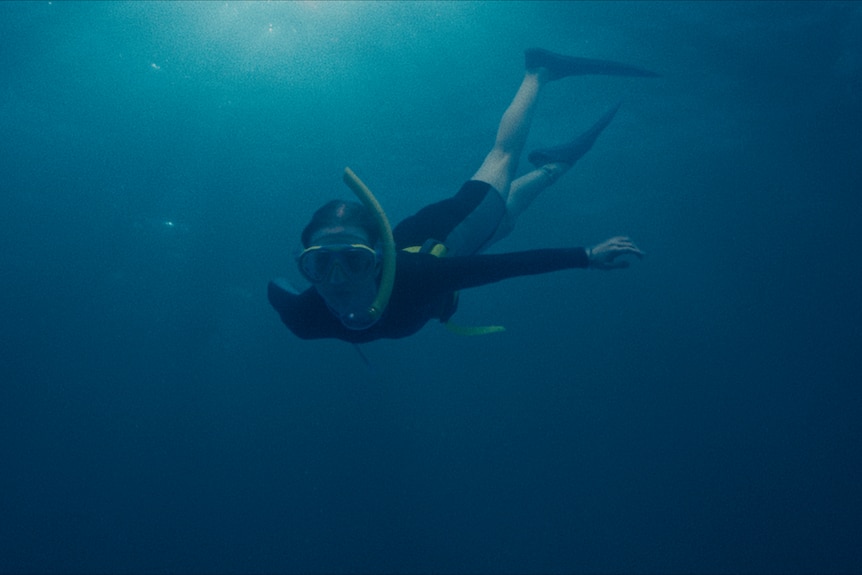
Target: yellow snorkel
(387, 275)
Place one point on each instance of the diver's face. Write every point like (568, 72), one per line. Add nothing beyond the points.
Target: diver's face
(345, 268)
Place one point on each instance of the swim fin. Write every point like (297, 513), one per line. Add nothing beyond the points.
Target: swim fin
(571, 152)
(561, 66)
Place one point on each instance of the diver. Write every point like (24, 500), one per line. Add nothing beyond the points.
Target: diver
(369, 281)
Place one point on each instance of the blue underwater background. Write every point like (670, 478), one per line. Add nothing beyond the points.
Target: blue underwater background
(700, 412)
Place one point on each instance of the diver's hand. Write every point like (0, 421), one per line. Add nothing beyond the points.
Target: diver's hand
(602, 256)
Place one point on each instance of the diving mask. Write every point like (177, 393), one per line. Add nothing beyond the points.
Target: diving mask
(356, 262)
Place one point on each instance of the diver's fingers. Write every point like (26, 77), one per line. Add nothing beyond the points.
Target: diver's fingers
(624, 245)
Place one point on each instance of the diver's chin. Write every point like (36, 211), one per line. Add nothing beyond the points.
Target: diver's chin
(348, 300)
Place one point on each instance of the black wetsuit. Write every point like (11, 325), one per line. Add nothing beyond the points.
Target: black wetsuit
(425, 284)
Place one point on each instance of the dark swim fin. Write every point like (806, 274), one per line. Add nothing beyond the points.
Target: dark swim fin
(561, 66)
(571, 152)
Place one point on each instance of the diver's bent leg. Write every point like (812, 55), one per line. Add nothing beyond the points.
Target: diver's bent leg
(551, 163)
(500, 164)
(522, 193)
(526, 188)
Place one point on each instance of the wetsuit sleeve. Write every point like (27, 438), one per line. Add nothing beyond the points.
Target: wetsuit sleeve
(455, 273)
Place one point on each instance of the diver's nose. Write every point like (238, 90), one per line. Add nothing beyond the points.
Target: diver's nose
(336, 275)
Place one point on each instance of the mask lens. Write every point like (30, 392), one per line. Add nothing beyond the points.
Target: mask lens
(357, 262)
(314, 265)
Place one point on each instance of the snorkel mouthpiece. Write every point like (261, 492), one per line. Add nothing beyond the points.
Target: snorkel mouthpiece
(367, 318)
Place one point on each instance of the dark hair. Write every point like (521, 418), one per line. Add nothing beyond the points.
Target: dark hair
(340, 213)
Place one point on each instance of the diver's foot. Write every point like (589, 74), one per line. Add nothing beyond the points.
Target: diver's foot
(571, 152)
(561, 66)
